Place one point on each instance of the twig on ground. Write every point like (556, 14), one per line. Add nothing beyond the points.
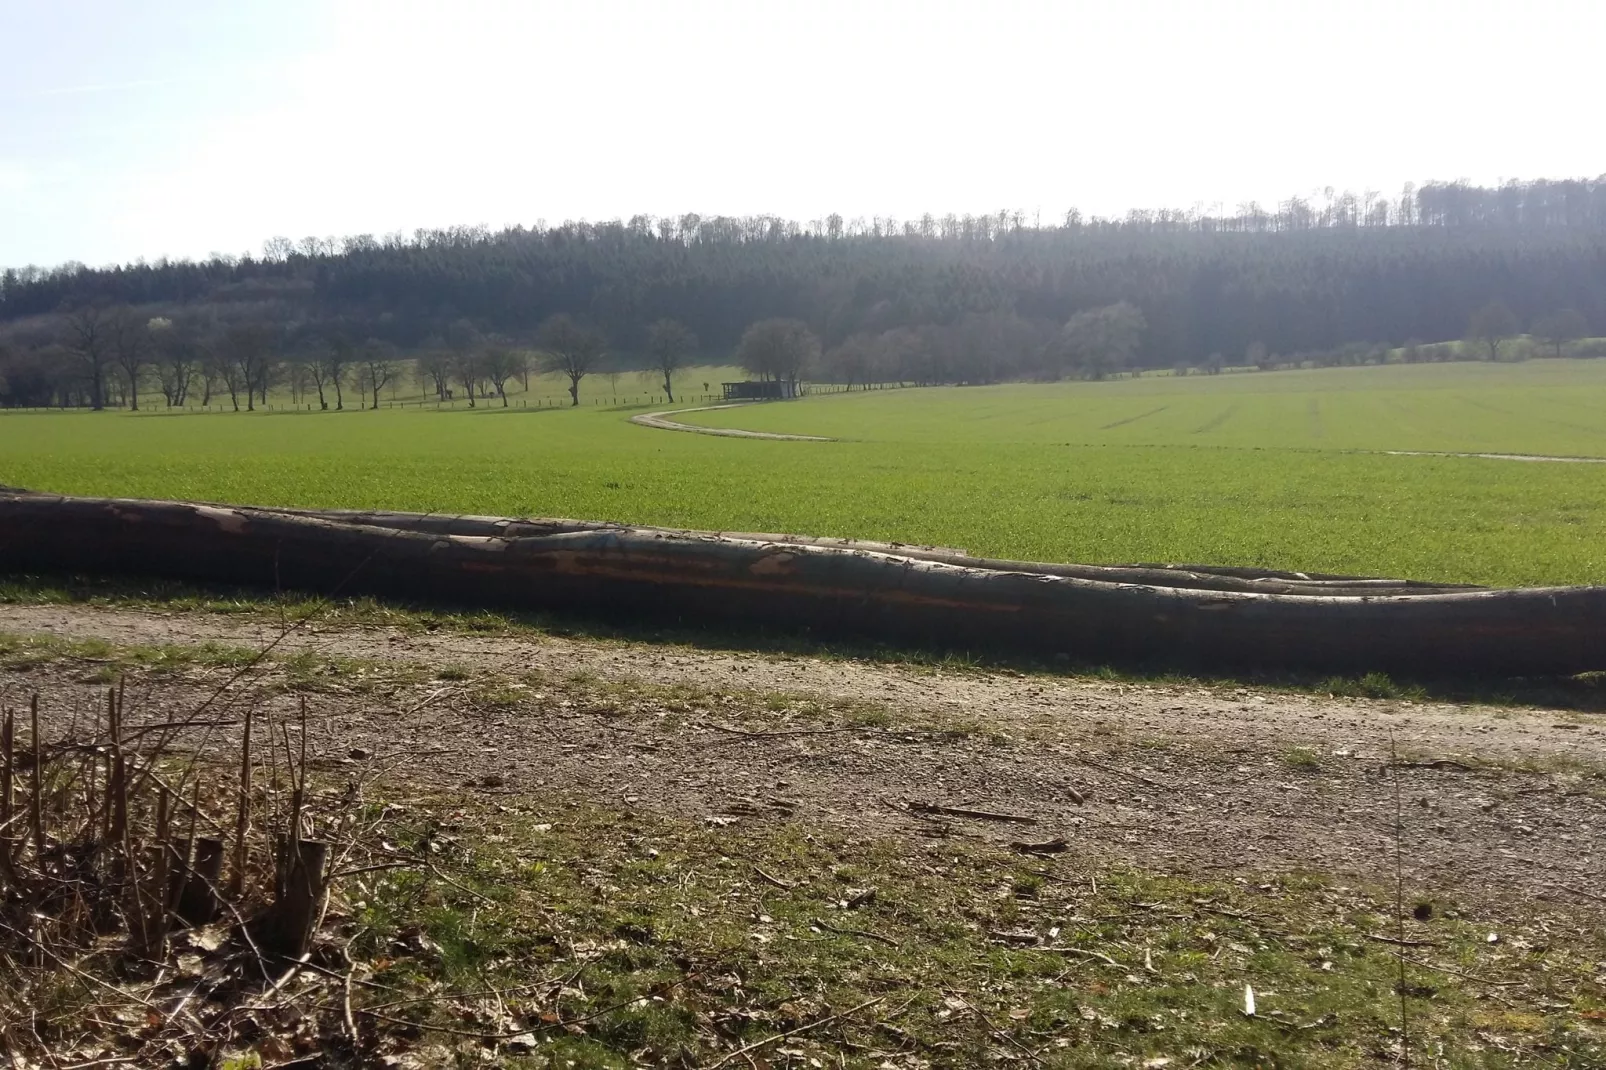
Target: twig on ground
(906, 812)
(997, 1032)
(427, 699)
(1398, 941)
(767, 878)
(742, 733)
(1119, 772)
(889, 941)
(541, 1027)
(482, 897)
(963, 811)
(345, 996)
(1082, 953)
(1580, 892)
(122, 993)
(1467, 976)
(756, 1045)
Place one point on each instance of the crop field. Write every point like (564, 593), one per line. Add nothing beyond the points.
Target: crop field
(1283, 469)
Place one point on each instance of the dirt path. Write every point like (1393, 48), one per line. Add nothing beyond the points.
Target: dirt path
(662, 422)
(1178, 778)
(1498, 456)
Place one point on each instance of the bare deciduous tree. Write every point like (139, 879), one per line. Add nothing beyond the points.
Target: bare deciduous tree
(501, 362)
(89, 333)
(570, 349)
(435, 367)
(1492, 326)
(336, 359)
(467, 346)
(248, 357)
(173, 351)
(378, 366)
(670, 343)
(130, 346)
(1560, 328)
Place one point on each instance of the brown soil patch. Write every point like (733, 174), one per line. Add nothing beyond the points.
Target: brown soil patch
(1175, 778)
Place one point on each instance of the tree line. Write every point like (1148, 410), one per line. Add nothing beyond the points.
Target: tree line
(938, 299)
(106, 356)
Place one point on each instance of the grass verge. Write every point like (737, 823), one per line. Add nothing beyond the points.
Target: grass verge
(575, 935)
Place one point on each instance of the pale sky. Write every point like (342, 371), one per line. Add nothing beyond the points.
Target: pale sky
(134, 128)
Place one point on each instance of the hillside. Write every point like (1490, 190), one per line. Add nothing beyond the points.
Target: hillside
(1293, 279)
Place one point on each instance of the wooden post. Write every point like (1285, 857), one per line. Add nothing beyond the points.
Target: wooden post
(300, 883)
(198, 901)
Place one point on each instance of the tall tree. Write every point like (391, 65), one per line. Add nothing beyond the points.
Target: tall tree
(89, 332)
(1492, 326)
(336, 357)
(852, 361)
(570, 349)
(174, 352)
(670, 344)
(378, 366)
(435, 367)
(782, 349)
(312, 359)
(1560, 329)
(466, 344)
(500, 362)
(249, 355)
(130, 344)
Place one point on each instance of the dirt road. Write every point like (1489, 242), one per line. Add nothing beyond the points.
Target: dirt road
(662, 421)
(1496, 800)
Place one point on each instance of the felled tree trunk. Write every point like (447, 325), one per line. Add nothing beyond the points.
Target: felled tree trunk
(1194, 617)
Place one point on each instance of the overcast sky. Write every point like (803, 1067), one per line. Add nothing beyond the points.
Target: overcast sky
(177, 127)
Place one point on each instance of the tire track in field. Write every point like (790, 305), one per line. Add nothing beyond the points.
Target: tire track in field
(1133, 419)
(1217, 420)
(1551, 420)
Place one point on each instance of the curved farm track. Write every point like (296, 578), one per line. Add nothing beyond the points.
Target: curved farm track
(661, 421)
(1183, 778)
(1498, 456)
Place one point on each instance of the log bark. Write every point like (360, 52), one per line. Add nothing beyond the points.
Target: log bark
(1196, 577)
(1196, 618)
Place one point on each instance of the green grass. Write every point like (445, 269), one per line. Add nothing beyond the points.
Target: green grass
(1250, 469)
(104, 662)
(1547, 407)
(697, 939)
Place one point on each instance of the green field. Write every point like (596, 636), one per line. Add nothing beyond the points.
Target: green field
(1250, 469)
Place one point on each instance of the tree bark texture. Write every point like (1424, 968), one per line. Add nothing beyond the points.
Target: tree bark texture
(1188, 616)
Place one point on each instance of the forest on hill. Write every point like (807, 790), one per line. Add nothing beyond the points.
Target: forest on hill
(939, 299)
